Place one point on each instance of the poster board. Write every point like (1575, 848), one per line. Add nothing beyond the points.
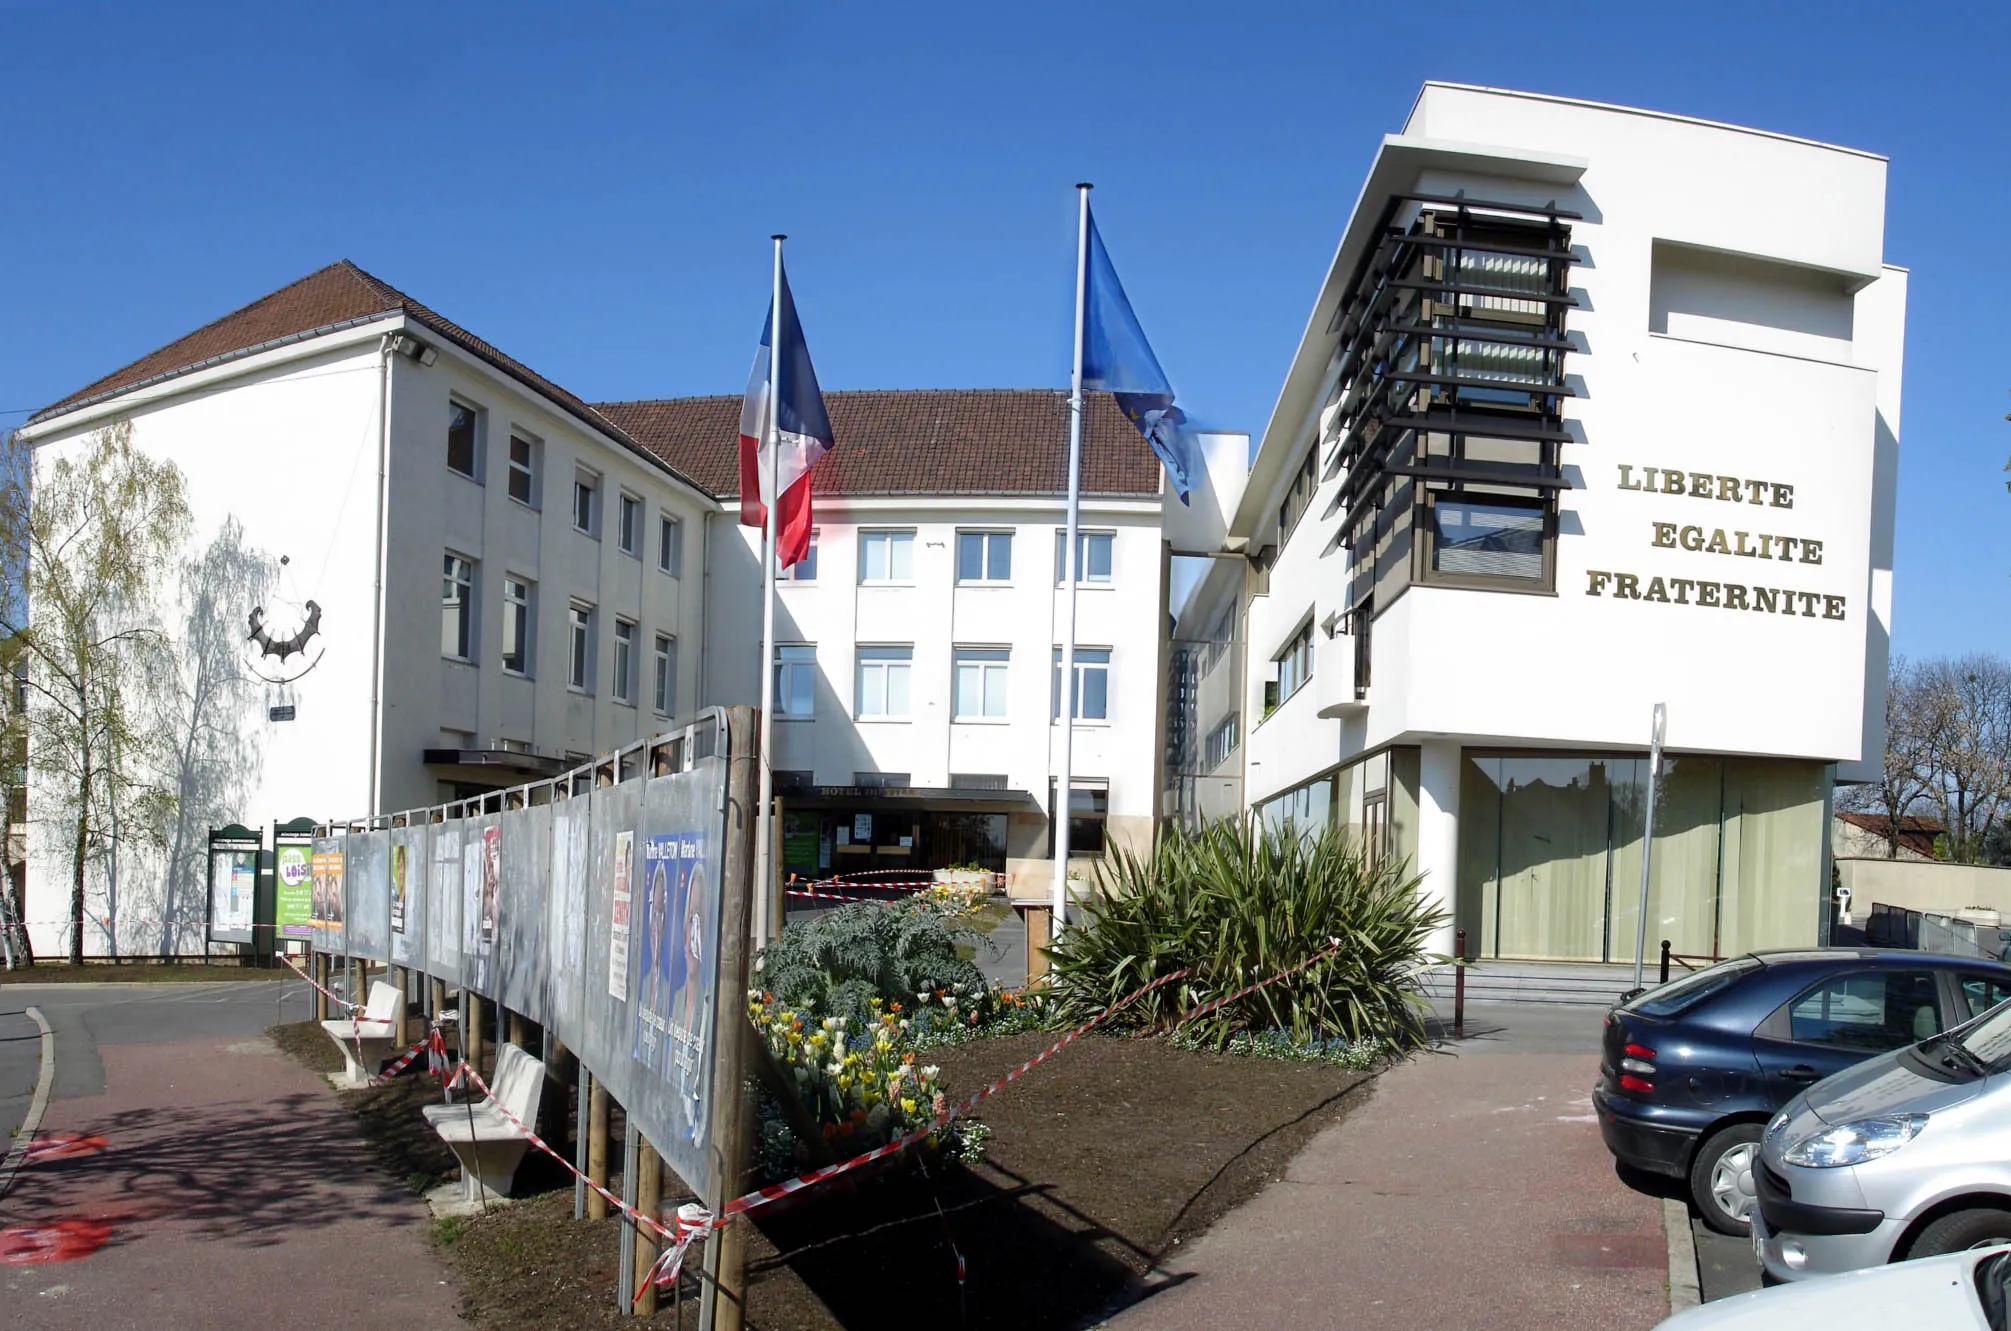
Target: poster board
(411, 861)
(481, 867)
(366, 883)
(233, 884)
(565, 932)
(327, 894)
(443, 903)
(674, 943)
(523, 869)
(614, 815)
(293, 887)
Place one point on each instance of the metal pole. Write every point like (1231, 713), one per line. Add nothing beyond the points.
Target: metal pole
(1459, 985)
(1648, 840)
(764, 870)
(1064, 797)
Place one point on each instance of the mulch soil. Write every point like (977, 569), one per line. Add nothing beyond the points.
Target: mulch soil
(1101, 1162)
(139, 972)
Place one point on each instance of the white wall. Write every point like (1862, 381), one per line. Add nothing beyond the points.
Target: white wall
(288, 448)
(435, 509)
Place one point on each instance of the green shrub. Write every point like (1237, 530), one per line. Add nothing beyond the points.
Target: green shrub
(833, 964)
(1238, 901)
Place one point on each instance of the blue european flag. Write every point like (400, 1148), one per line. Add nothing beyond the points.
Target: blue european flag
(1117, 358)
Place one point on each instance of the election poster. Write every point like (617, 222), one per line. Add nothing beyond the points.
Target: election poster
(617, 963)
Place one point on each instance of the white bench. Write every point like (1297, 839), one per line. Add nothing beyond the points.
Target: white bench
(375, 1029)
(485, 1141)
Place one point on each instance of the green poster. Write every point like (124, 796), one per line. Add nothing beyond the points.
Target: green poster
(294, 890)
(799, 843)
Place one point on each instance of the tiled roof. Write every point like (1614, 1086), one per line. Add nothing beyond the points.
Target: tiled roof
(336, 297)
(1912, 833)
(1005, 441)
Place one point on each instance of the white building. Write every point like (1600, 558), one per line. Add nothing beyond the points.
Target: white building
(503, 577)
(916, 720)
(1597, 409)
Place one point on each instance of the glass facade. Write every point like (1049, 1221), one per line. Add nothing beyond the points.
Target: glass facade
(1550, 854)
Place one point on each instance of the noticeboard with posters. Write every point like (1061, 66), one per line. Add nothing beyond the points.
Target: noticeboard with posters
(326, 901)
(233, 884)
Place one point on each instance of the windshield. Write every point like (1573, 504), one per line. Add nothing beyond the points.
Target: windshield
(1669, 999)
(1989, 1038)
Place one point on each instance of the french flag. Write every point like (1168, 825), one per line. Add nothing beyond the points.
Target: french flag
(802, 435)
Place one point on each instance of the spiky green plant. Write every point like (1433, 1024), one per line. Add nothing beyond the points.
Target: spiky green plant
(834, 963)
(1240, 900)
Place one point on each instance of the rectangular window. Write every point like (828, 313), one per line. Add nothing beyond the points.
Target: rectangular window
(978, 781)
(457, 608)
(1299, 495)
(1092, 684)
(1295, 663)
(981, 683)
(524, 470)
(666, 674)
(586, 502)
(984, 556)
(464, 439)
(628, 528)
(883, 682)
(517, 626)
(804, 569)
(1868, 1011)
(1088, 811)
(1092, 549)
(1221, 743)
(580, 668)
(796, 680)
(624, 660)
(883, 780)
(670, 545)
(886, 556)
(1477, 539)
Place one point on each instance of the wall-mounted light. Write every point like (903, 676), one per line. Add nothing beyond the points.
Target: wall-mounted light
(413, 349)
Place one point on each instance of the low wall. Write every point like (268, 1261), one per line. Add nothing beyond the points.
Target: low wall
(1919, 885)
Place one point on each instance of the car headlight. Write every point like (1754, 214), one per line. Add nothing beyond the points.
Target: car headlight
(1855, 1143)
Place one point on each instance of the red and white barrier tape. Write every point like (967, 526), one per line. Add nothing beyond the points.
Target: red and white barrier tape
(823, 896)
(330, 994)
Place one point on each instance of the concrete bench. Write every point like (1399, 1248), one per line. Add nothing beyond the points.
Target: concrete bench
(375, 1029)
(485, 1141)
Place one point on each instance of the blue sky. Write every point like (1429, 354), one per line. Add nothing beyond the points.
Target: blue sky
(592, 187)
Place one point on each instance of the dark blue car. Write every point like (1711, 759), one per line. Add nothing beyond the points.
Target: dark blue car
(1691, 1071)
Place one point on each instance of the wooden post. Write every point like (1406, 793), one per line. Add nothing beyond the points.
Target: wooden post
(401, 979)
(471, 1027)
(520, 1031)
(437, 999)
(318, 967)
(1039, 933)
(560, 1067)
(597, 1148)
(722, 1302)
(649, 1201)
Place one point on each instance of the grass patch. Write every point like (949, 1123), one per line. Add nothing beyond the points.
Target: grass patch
(141, 972)
(448, 1232)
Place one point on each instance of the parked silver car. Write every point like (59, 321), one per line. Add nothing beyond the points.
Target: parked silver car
(1905, 1155)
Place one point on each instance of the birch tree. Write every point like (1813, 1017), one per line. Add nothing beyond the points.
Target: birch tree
(90, 538)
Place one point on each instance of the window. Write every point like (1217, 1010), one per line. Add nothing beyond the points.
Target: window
(886, 556)
(1489, 539)
(666, 674)
(1221, 742)
(628, 527)
(1088, 810)
(464, 439)
(586, 502)
(457, 608)
(1219, 634)
(984, 556)
(1092, 555)
(804, 569)
(883, 682)
(978, 781)
(517, 626)
(624, 660)
(580, 667)
(796, 680)
(670, 545)
(1984, 992)
(883, 780)
(523, 483)
(1299, 495)
(1092, 684)
(981, 683)
(1868, 1011)
(786, 782)
(1295, 664)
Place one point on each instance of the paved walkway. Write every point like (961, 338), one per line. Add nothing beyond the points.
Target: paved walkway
(230, 1189)
(1471, 1191)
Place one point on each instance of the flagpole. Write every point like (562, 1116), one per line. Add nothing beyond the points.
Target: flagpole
(764, 838)
(1064, 800)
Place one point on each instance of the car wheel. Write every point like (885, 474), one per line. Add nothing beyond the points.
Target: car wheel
(1958, 1231)
(1721, 1178)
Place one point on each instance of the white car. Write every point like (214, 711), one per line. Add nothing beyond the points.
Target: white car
(1964, 1291)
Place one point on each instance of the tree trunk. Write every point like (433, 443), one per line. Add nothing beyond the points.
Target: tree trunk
(77, 889)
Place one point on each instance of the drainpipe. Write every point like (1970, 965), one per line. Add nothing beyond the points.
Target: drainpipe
(378, 609)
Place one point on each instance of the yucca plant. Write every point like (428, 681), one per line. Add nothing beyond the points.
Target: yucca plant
(1239, 900)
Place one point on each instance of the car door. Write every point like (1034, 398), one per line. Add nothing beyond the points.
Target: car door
(1842, 1019)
